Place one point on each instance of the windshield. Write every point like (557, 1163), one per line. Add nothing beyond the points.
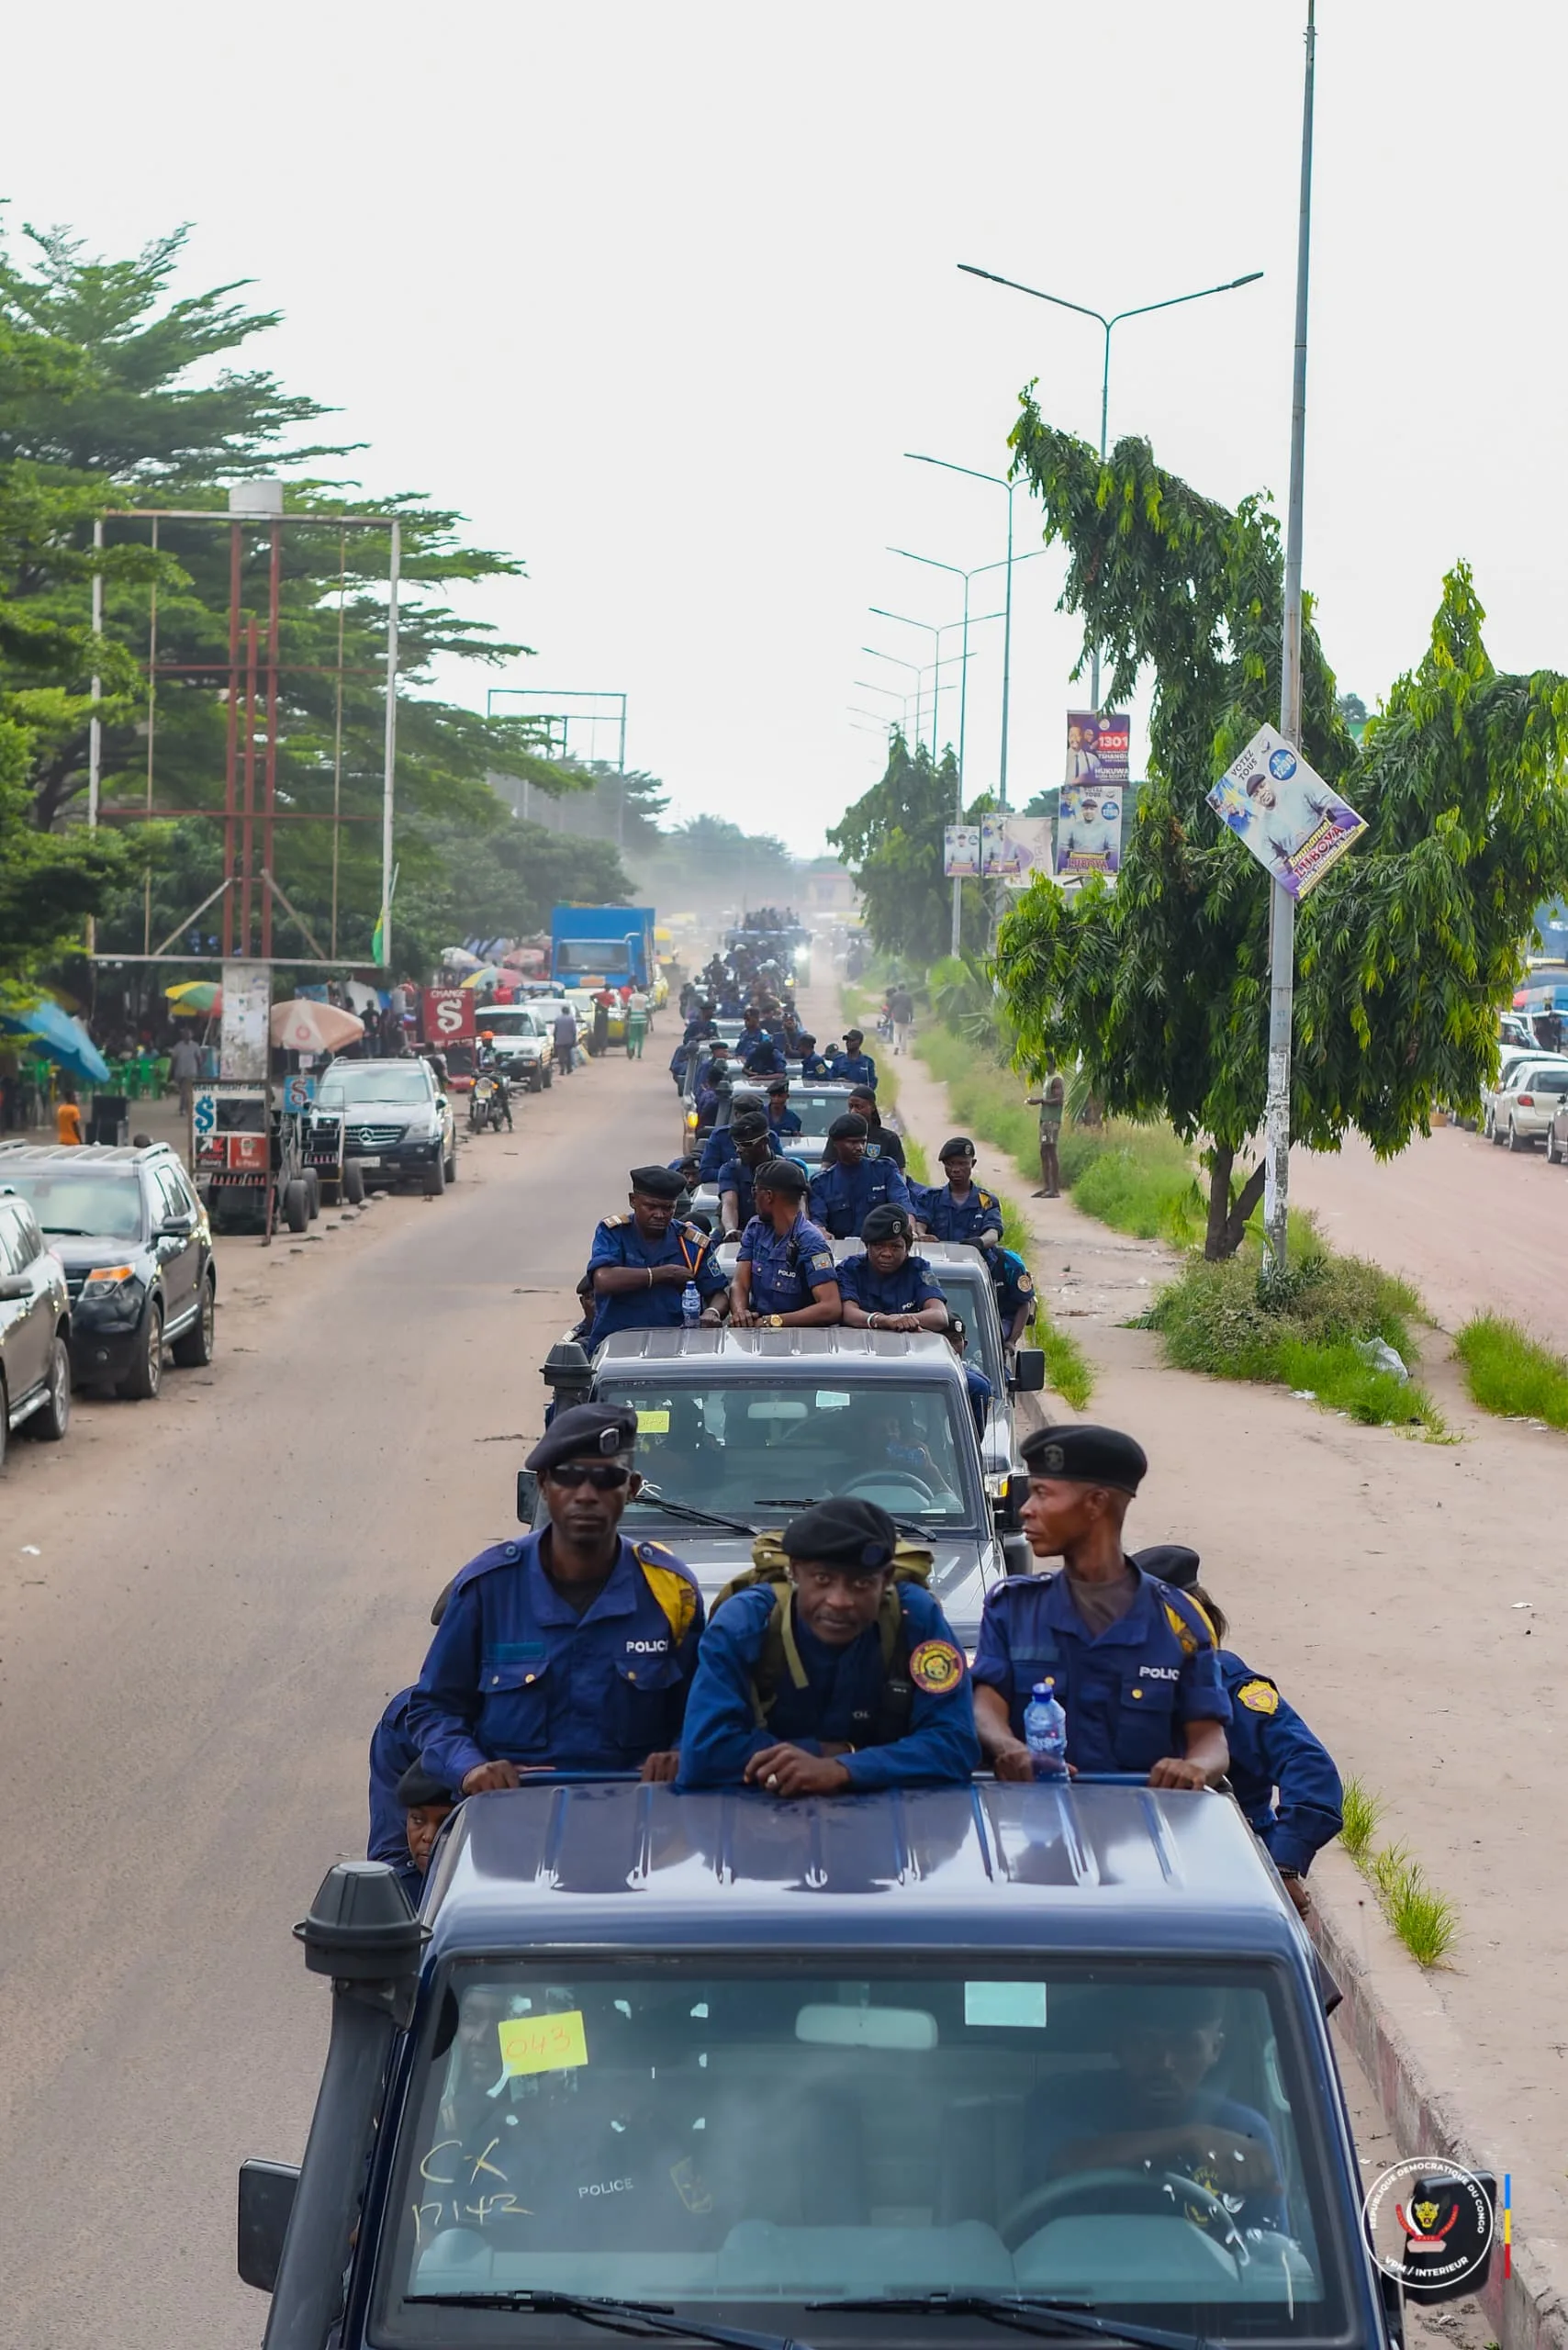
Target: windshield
(346, 1086)
(511, 1023)
(106, 1205)
(723, 2137)
(748, 1448)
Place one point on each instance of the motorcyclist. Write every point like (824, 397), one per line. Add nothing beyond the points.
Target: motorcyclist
(486, 1063)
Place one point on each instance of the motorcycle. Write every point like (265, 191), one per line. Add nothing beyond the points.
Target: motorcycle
(486, 1105)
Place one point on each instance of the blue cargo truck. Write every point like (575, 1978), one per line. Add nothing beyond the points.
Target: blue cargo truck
(601, 946)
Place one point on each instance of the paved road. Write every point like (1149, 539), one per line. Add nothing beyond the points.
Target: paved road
(1477, 1229)
(227, 1587)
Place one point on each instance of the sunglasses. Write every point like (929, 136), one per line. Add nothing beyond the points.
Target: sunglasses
(604, 1476)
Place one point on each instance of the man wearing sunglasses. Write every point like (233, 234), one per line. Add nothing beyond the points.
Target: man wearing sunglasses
(571, 1650)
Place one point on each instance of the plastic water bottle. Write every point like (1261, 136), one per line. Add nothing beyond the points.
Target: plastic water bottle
(1045, 1732)
(690, 1305)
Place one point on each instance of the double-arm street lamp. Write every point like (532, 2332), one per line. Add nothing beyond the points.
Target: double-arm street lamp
(1116, 319)
(998, 481)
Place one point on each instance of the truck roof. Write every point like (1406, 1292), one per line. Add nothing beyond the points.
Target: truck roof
(862, 1354)
(990, 1865)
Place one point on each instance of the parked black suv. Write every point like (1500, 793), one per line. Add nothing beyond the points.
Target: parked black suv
(137, 1248)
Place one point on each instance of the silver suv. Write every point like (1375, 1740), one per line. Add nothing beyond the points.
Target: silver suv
(35, 1330)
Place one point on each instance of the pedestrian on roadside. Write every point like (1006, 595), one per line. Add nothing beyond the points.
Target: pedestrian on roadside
(184, 1068)
(68, 1118)
(564, 1039)
(901, 1011)
(636, 1024)
(598, 1038)
(1050, 1101)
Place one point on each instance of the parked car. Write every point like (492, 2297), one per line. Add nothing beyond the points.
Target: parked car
(35, 1326)
(398, 1123)
(1557, 1134)
(136, 1247)
(1520, 1106)
(522, 1044)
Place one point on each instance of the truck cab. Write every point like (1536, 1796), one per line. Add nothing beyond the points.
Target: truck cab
(902, 2069)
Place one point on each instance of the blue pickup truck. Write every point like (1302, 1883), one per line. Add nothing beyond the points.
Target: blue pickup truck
(888, 2070)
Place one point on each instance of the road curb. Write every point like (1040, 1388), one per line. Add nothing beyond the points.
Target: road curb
(1527, 2308)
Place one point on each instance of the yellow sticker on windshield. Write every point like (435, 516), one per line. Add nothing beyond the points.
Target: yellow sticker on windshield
(653, 1423)
(542, 2043)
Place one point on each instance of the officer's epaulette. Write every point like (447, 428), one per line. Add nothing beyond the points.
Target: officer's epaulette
(1186, 1619)
(988, 1199)
(499, 1554)
(611, 1223)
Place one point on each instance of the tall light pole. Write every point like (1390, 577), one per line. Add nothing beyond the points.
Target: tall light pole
(999, 481)
(1281, 926)
(1143, 310)
(938, 633)
(915, 670)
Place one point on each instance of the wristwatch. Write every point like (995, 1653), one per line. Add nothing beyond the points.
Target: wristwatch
(776, 1322)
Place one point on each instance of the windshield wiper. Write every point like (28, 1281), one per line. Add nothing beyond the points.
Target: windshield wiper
(71, 1232)
(645, 2317)
(1026, 2313)
(696, 1516)
(805, 1500)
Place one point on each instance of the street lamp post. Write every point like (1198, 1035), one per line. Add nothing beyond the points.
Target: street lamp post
(999, 481)
(1143, 310)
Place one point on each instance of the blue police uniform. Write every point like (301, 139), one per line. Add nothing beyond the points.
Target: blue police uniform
(515, 1675)
(1271, 1747)
(842, 1197)
(787, 1267)
(786, 1124)
(1010, 1279)
(1128, 1694)
(837, 1706)
(737, 1177)
(697, 1026)
(392, 1750)
(853, 1069)
(761, 1057)
(717, 1151)
(816, 1067)
(1106, 2105)
(947, 1218)
(617, 1241)
(980, 1393)
(914, 1285)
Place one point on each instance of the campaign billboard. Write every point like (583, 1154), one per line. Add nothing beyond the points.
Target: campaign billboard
(1294, 823)
(961, 852)
(1089, 818)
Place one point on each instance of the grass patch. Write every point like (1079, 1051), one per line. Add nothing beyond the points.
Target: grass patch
(1067, 1366)
(1362, 1812)
(1509, 1373)
(1299, 1330)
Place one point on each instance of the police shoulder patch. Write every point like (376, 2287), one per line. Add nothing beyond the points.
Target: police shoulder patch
(1186, 1632)
(1026, 1284)
(823, 1262)
(936, 1666)
(1259, 1697)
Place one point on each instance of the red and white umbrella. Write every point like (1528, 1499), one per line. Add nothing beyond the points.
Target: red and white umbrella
(305, 1026)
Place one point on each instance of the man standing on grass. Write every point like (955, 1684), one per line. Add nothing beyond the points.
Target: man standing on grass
(1050, 1100)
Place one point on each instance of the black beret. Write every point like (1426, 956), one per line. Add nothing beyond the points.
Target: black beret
(1169, 1562)
(888, 1223)
(778, 1085)
(1087, 1456)
(806, 1036)
(843, 1533)
(586, 1432)
(959, 1146)
(751, 1128)
(850, 1126)
(657, 1183)
(780, 1175)
(741, 1099)
(417, 1786)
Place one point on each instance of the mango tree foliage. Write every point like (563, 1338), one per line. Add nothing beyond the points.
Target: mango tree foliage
(1407, 950)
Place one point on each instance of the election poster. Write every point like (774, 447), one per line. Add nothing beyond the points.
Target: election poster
(1089, 818)
(1294, 823)
(1027, 849)
(961, 852)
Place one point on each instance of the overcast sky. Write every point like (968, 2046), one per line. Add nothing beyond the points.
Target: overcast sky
(659, 295)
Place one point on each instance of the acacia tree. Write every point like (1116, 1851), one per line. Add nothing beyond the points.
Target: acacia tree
(891, 838)
(1409, 946)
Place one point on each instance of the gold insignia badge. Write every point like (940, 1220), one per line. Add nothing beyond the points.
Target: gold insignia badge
(1182, 1631)
(936, 1666)
(1428, 2215)
(1260, 1696)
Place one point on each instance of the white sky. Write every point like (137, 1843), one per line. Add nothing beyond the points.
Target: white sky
(658, 296)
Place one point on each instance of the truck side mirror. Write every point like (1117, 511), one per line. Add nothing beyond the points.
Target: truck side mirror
(266, 2201)
(1017, 1556)
(527, 1495)
(1008, 1503)
(1029, 1375)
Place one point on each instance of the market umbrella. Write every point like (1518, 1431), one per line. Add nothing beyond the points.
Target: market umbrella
(194, 998)
(458, 958)
(305, 1026)
(491, 972)
(59, 1038)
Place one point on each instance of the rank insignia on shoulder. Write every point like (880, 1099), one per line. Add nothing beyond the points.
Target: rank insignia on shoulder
(821, 1262)
(1182, 1629)
(613, 1223)
(1259, 1697)
(936, 1666)
(654, 1554)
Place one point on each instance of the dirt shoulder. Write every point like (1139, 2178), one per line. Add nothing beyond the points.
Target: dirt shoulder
(1392, 1588)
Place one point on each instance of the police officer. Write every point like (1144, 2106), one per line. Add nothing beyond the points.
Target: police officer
(852, 1066)
(959, 1209)
(1131, 1661)
(783, 1120)
(785, 1274)
(572, 1648)
(979, 1387)
(844, 1192)
(713, 1074)
(736, 1180)
(1270, 1746)
(1014, 1290)
(761, 1055)
(815, 1066)
(641, 1263)
(720, 1148)
(854, 1696)
(886, 1289)
(880, 1140)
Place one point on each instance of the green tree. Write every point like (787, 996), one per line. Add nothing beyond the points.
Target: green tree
(892, 840)
(1407, 950)
(49, 884)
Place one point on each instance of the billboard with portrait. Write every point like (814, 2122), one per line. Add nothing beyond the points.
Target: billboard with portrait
(1089, 818)
(1294, 823)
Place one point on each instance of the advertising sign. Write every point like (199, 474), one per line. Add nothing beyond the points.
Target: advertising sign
(1294, 823)
(1088, 819)
(961, 852)
(1028, 848)
(1097, 745)
(242, 1047)
(999, 852)
(447, 1014)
